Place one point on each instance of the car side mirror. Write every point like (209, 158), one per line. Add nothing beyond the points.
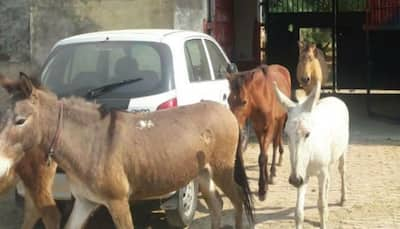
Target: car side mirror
(231, 68)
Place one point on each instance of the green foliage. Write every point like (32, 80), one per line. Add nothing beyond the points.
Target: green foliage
(320, 36)
(316, 35)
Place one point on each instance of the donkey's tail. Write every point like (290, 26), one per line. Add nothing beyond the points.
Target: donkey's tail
(241, 179)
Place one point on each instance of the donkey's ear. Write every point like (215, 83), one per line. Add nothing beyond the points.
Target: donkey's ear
(312, 98)
(229, 76)
(250, 76)
(283, 99)
(300, 44)
(26, 84)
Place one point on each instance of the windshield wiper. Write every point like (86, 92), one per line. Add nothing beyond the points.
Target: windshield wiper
(95, 92)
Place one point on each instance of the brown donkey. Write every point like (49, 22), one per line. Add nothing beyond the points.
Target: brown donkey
(111, 158)
(252, 96)
(37, 178)
(311, 67)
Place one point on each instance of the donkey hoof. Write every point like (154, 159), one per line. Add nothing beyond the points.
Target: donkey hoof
(271, 180)
(262, 195)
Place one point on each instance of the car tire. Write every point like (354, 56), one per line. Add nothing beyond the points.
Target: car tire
(186, 200)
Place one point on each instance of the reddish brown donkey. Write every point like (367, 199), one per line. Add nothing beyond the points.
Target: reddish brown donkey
(252, 96)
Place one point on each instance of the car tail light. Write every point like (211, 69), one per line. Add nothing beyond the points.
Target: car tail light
(168, 104)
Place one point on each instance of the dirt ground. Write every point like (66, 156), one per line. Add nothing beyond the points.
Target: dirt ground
(373, 192)
(373, 179)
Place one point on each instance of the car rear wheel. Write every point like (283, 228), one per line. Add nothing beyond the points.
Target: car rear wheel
(186, 202)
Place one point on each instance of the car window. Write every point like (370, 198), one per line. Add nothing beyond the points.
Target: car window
(218, 60)
(139, 58)
(74, 69)
(196, 61)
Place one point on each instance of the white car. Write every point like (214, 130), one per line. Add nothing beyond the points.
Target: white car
(139, 71)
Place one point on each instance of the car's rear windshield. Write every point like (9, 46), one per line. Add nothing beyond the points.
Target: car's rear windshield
(76, 68)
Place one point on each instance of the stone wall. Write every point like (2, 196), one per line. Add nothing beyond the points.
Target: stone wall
(14, 30)
(14, 36)
(56, 19)
(28, 29)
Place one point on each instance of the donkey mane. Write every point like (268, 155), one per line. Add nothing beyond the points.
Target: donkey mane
(237, 79)
(87, 111)
(77, 108)
(80, 103)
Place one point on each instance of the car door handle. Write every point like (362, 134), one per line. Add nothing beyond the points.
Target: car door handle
(224, 97)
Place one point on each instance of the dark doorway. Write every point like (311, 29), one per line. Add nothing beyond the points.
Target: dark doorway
(343, 19)
(235, 24)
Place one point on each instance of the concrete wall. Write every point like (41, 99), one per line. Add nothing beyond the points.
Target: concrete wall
(56, 19)
(14, 36)
(30, 28)
(189, 15)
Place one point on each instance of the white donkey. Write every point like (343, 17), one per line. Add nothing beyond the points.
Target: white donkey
(318, 134)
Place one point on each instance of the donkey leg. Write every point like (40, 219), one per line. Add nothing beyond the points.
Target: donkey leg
(39, 191)
(121, 214)
(299, 214)
(280, 152)
(31, 213)
(44, 201)
(208, 189)
(273, 163)
(80, 213)
(41, 206)
(263, 163)
(323, 183)
(232, 191)
(280, 140)
(342, 170)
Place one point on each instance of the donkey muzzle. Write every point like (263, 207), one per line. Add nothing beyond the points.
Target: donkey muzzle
(305, 79)
(296, 181)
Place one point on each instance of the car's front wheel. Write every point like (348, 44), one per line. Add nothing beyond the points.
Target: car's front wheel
(186, 202)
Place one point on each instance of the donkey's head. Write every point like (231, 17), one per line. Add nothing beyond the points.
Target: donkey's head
(239, 98)
(309, 70)
(299, 129)
(18, 121)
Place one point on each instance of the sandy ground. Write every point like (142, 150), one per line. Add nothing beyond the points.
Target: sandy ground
(373, 195)
(373, 179)
(373, 192)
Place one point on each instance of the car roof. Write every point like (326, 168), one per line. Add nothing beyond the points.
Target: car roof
(156, 35)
